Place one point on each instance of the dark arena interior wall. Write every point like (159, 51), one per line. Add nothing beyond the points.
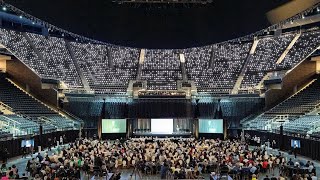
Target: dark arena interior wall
(233, 109)
(309, 148)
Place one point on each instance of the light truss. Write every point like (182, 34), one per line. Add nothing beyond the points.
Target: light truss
(163, 1)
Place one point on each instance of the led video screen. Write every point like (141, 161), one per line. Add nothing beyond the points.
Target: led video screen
(114, 125)
(210, 126)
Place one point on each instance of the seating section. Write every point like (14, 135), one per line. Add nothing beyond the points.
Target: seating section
(102, 76)
(19, 46)
(60, 122)
(56, 59)
(161, 69)
(270, 49)
(108, 69)
(300, 103)
(20, 101)
(29, 111)
(303, 125)
(18, 125)
(307, 43)
(293, 108)
(221, 75)
(264, 59)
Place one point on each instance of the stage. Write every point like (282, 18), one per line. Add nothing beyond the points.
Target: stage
(162, 135)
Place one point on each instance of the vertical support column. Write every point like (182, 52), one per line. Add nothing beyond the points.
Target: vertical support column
(141, 61)
(109, 56)
(183, 68)
(212, 56)
(196, 128)
(79, 71)
(243, 70)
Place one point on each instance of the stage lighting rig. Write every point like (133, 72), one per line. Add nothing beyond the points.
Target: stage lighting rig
(163, 1)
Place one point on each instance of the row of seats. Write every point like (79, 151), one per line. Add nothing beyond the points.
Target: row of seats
(19, 125)
(303, 125)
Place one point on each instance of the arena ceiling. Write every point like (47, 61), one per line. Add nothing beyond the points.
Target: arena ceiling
(151, 26)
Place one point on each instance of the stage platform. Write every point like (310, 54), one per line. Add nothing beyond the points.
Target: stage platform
(162, 135)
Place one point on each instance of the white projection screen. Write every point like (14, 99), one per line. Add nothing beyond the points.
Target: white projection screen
(210, 126)
(161, 126)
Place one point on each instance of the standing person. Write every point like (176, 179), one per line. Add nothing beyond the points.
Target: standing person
(258, 141)
(5, 155)
(24, 151)
(65, 139)
(255, 139)
(49, 144)
(3, 169)
(54, 142)
(163, 170)
(61, 140)
(273, 144)
(31, 150)
(295, 151)
(39, 157)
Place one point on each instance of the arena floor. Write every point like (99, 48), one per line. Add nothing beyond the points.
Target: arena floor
(126, 173)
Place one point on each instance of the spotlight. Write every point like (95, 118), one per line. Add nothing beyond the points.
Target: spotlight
(62, 34)
(303, 16)
(318, 9)
(33, 23)
(4, 8)
(20, 16)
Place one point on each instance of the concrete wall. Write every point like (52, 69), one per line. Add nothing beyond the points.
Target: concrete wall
(27, 79)
(291, 83)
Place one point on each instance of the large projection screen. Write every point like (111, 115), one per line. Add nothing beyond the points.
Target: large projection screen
(114, 125)
(210, 126)
(161, 126)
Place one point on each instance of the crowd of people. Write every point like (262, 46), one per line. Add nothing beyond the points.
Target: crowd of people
(186, 158)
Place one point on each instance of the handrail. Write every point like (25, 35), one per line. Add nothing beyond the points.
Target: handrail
(44, 118)
(6, 106)
(246, 119)
(72, 115)
(11, 120)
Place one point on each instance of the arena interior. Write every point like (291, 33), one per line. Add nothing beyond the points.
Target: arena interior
(245, 105)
